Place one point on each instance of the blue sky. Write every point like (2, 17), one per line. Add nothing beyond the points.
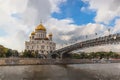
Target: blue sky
(2, 32)
(72, 9)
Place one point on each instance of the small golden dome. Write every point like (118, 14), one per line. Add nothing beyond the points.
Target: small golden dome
(40, 27)
(50, 34)
(33, 33)
(29, 36)
(46, 38)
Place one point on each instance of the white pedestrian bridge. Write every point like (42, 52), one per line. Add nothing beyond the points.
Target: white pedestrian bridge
(105, 40)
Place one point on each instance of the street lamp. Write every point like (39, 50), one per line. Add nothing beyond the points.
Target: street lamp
(109, 30)
(86, 37)
(96, 35)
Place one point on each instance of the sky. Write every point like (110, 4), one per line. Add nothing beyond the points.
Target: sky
(68, 20)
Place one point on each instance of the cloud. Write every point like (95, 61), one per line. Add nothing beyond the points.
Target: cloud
(65, 32)
(19, 17)
(117, 26)
(106, 10)
(55, 5)
(36, 11)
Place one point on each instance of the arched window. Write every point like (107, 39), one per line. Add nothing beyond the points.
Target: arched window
(42, 51)
(51, 51)
(27, 47)
(42, 41)
(32, 47)
(32, 37)
(42, 47)
(41, 36)
(50, 48)
(47, 47)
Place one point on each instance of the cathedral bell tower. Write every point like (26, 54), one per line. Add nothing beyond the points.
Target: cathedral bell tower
(50, 36)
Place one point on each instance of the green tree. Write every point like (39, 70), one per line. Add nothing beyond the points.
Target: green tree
(25, 53)
(36, 54)
(29, 54)
(15, 53)
(2, 51)
(9, 53)
(75, 56)
(83, 55)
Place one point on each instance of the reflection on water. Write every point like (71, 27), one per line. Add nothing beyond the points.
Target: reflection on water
(61, 72)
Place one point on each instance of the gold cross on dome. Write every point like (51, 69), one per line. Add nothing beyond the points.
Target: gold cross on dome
(41, 21)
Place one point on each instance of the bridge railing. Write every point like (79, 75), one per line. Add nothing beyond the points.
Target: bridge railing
(110, 39)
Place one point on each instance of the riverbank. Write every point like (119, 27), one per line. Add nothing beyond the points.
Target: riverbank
(37, 61)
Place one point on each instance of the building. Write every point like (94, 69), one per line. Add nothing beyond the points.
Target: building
(40, 42)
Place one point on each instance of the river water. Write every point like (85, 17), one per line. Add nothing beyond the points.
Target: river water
(61, 72)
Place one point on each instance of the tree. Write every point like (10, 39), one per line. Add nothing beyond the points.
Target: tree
(15, 53)
(36, 54)
(25, 53)
(9, 53)
(75, 56)
(29, 54)
(3, 50)
(83, 55)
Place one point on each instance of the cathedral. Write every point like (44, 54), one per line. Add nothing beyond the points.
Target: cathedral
(40, 42)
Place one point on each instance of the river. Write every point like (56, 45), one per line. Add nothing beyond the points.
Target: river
(61, 72)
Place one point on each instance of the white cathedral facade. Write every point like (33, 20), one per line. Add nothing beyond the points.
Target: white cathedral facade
(40, 42)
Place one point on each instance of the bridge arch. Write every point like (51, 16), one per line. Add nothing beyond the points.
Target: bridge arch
(110, 39)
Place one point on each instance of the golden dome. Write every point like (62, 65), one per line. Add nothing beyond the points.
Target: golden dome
(46, 38)
(29, 36)
(33, 33)
(50, 34)
(40, 27)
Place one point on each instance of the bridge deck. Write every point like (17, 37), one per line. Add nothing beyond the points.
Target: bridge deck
(110, 39)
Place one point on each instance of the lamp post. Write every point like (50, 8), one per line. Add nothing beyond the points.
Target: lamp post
(109, 30)
(96, 35)
(86, 37)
